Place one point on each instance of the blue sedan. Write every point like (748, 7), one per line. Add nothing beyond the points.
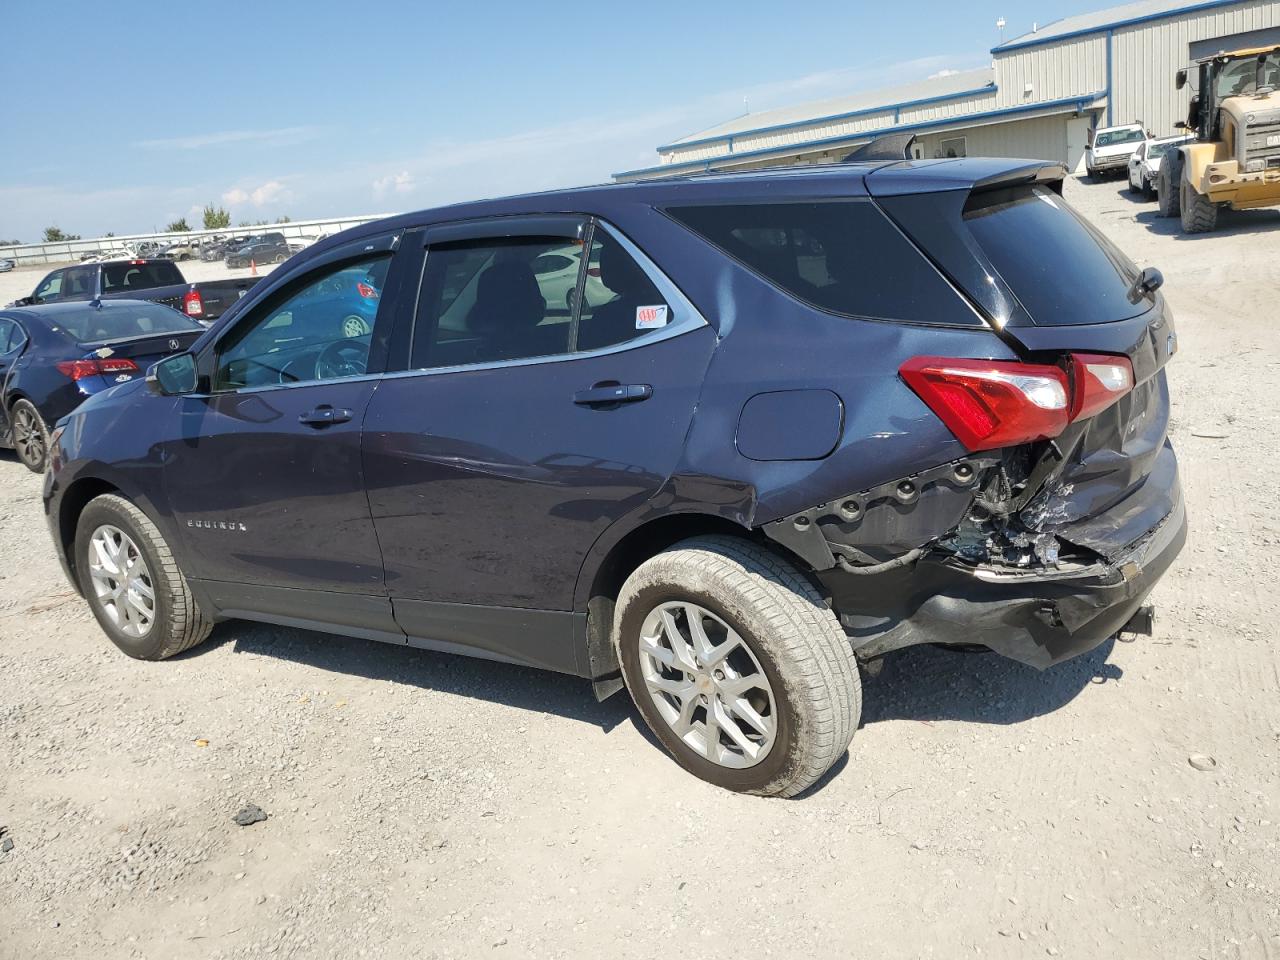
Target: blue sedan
(54, 356)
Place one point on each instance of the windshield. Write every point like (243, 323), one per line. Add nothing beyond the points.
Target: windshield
(1115, 137)
(1158, 150)
(1241, 77)
(118, 322)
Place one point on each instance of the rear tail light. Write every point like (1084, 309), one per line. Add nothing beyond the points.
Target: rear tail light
(989, 404)
(1098, 381)
(192, 305)
(366, 291)
(79, 369)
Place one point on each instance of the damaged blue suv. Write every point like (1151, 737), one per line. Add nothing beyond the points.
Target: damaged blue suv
(782, 423)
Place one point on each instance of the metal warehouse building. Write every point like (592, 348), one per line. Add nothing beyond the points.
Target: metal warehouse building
(1039, 98)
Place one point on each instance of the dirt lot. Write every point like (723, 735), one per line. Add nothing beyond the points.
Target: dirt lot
(428, 806)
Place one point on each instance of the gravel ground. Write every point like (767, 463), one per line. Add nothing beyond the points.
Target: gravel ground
(428, 806)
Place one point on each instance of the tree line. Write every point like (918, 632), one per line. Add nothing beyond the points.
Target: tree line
(214, 218)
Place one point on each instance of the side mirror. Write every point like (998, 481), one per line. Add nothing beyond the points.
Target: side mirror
(1148, 282)
(173, 376)
(1180, 79)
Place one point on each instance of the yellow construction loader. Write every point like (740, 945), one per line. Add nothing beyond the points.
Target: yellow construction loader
(1234, 160)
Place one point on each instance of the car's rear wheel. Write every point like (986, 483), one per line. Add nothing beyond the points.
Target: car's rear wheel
(737, 665)
(280, 258)
(132, 582)
(30, 435)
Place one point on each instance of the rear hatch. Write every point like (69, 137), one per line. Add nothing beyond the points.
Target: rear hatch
(1051, 285)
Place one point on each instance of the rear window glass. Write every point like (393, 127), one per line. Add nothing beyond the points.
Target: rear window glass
(1062, 270)
(841, 256)
(1117, 137)
(115, 322)
(140, 276)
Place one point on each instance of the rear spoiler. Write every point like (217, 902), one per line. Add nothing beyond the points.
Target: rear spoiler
(967, 174)
(1049, 175)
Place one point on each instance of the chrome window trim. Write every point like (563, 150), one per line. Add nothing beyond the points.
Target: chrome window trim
(688, 319)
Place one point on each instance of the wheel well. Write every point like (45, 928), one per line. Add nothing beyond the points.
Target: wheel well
(73, 503)
(651, 539)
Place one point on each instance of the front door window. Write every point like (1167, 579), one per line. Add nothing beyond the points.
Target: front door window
(319, 331)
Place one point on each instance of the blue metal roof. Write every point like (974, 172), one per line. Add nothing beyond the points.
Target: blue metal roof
(1110, 19)
(708, 163)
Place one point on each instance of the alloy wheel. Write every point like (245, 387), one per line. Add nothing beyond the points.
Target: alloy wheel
(28, 437)
(707, 685)
(354, 326)
(122, 582)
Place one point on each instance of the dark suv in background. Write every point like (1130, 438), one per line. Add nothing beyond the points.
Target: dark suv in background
(799, 419)
(268, 248)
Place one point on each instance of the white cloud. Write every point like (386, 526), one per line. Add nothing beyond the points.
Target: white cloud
(273, 191)
(279, 136)
(943, 73)
(402, 182)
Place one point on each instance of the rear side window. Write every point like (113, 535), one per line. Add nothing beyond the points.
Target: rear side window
(842, 256)
(1062, 270)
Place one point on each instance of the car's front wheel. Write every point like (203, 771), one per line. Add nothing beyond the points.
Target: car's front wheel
(132, 582)
(737, 665)
(30, 435)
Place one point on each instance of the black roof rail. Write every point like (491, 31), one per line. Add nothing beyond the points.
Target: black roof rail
(892, 146)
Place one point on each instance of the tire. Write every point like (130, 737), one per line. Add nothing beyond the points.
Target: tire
(1129, 184)
(1168, 201)
(176, 621)
(1199, 213)
(280, 258)
(787, 638)
(30, 435)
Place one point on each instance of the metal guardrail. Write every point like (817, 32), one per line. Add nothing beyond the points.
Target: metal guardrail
(64, 251)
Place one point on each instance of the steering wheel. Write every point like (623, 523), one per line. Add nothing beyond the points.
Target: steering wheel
(342, 358)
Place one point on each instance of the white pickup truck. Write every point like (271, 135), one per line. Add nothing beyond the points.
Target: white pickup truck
(1110, 148)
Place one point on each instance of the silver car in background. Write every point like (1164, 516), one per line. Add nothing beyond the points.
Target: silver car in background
(1144, 165)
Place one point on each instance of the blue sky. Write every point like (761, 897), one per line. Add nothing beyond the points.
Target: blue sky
(123, 116)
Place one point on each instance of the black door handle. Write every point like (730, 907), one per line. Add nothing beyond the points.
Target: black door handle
(603, 393)
(324, 415)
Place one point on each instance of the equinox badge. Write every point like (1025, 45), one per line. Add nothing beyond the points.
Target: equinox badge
(218, 525)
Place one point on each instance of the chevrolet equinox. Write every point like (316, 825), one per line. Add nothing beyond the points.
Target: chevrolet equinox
(784, 423)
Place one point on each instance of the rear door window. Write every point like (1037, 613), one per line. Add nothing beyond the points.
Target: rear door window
(619, 300)
(1062, 270)
(842, 256)
(489, 300)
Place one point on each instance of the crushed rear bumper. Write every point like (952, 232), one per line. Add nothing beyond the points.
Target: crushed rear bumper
(1039, 617)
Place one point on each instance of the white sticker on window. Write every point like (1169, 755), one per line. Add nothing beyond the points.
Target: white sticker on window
(651, 318)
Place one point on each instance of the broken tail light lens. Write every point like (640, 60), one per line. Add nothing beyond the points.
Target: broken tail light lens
(192, 304)
(992, 403)
(1097, 382)
(79, 369)
(989, 404)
